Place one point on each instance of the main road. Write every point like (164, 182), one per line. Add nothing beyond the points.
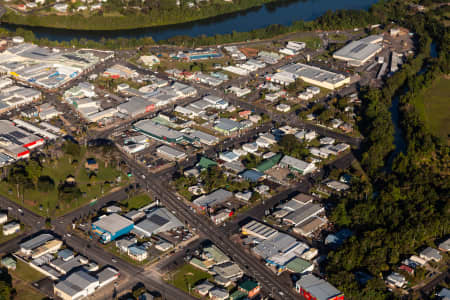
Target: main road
(250, 264)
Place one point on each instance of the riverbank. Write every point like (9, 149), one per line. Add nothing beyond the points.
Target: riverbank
(250, 24)
(114, 20)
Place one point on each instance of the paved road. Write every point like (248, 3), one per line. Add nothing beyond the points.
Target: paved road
(134, 273)
(250, 264)
(288, 118)
(26, 216)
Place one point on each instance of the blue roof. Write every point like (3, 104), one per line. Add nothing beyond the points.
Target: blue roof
(65, 253)
(252, 175)
(136, 250)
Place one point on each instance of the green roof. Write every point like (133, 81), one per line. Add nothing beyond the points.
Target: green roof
(215, 254)
(269, 163)
(248, 285)
(206, 163)
(298, 265)
(238, 295)
(198, 263)
(8, 261)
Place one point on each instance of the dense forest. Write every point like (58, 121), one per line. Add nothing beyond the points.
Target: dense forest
(405, 206)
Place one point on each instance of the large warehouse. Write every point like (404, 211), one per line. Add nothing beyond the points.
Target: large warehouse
(314, 75)
(16, 142)
(111, 227)
(359, 52)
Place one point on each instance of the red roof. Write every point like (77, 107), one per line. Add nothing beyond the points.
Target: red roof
(407, 269)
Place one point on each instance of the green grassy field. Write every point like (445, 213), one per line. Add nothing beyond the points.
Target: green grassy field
(23, 276)
(434, 107)
(188, 276)
(312, 42)
(58, 171)
(26, 273)
(139, 201)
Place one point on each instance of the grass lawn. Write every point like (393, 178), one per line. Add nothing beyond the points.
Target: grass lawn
(139, 201)
(5, 238)
(26, 273)
(58, 171)
(111, 247)
(312, 42)
(26, 292)
(23, 277)
(434, 107)
(188, 276)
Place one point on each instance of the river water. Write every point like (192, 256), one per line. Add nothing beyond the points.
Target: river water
(399, 139)
(283, 12)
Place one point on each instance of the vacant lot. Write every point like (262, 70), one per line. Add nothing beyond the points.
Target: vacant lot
(434, 106)
(139, 201)
(23, 276)
(187, 277)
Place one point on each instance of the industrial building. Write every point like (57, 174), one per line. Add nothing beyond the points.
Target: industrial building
(312, 287)
(312, 75)
(77, 285)
(158, 220)
(357, 53)
(111, 227)
(258, 230)
(16, 142)
(44, 67)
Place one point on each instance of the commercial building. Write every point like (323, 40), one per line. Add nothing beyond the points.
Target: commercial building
(49, 247)
(27, 247)
(137, 253)
(217, 197)
(136, 106)
(16, 142)
(11, 228)
(357, 53)
(303, 213)
(204, 138)
(170, 153)
(111, 227)
(45, 67)
(312, 287)
(227, 126)
(280, 249)
(160, 132)
(77, 285)
(258, 230)
(312, 75)
(120, 71)
(107, 276)
(156, 221)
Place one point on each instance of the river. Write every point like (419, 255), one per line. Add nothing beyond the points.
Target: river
(283, 12)
(399, 139)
